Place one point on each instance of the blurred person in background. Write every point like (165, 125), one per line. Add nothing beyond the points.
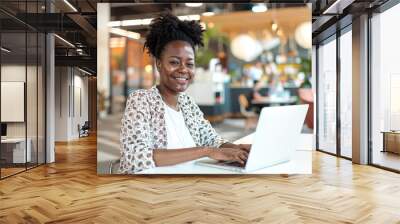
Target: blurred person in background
(163, 126)
(256, 72)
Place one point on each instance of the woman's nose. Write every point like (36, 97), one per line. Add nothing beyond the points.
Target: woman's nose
(183, 68)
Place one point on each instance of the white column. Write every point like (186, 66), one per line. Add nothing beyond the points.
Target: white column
(63, 104)
(103, 64)
(360, 90)
(50, 100)
(314, 90)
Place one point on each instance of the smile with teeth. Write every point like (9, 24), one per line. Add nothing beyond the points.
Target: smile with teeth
(181, 78)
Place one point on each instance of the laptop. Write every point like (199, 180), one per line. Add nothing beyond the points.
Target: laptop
(277, 133)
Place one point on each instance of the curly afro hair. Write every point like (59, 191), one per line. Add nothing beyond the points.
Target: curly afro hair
(167, 28)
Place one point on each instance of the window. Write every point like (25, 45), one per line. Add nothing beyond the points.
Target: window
(346, 93)
(327, 96)
(385, 89)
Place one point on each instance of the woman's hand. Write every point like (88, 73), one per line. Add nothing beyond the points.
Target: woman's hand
(229, 154)
(245, 147)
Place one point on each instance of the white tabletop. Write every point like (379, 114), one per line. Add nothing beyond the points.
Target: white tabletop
(13, 140)
(269, 100)
(301, 163)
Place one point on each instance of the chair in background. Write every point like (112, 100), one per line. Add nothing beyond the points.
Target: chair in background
(84, 130)
(251, 116)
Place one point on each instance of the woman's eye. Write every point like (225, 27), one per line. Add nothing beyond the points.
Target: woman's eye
(190, 65)
(174, 63)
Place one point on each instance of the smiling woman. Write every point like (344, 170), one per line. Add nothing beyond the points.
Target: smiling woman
(163, 126)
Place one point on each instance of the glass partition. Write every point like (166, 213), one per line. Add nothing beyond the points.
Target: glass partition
(22, 89)
(327, 96)
(346, 93)
(13, 93)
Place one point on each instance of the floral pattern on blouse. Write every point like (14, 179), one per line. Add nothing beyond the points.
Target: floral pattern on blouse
(143, 128)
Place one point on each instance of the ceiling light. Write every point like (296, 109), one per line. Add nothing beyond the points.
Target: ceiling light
(114, 23)
(189, 17)
(337, 7)
(203, 25)
(125, 33)
(65, 41)
(303, 36)
(331, 7)
(208, 14)
(193, 4)
(116, 42)
(148, 68)
(274, 26)
(136, 22)
(279, 32)
(70, 5)
(144, 22)
(132, 22)
(84, 71)
(5, 50)
(260, 7)
(245, 47)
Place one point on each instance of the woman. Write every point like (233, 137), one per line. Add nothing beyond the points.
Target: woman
(163, 126)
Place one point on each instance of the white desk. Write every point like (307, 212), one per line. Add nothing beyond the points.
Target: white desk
(301, 163)
(275, 101)
(18, 150)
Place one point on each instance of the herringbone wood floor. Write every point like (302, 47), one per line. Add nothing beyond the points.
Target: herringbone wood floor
(69, 191)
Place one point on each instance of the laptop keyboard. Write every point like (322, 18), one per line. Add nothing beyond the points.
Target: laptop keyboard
(234, 163)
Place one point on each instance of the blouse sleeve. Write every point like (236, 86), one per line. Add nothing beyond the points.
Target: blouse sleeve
(135, 142)
(208, 135)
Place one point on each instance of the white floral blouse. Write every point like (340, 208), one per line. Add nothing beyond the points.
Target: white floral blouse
(144, 129)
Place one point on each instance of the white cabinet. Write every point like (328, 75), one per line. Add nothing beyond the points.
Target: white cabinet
(16, 148)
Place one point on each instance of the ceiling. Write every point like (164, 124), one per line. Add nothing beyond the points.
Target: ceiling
(282, 13)
(288, 20)
(329, 16)
(79, 28)
(19, 54)
(75, 23)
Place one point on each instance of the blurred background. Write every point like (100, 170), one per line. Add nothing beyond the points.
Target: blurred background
(255, 55)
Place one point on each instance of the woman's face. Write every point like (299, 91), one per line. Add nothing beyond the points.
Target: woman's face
(176, 66)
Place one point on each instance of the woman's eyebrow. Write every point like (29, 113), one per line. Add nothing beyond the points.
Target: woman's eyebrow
(173, 56)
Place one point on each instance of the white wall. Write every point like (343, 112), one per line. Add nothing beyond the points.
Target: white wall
(71, 87)
(80, 100)
(62, 81)
(103, 54)
(14, 73)
(33, 126)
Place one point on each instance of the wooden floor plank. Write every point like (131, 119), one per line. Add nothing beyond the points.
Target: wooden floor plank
(69, 191)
